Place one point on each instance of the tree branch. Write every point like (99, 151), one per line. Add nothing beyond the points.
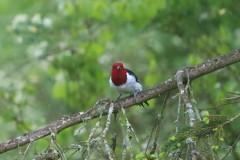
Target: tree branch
(184, 93)
(102, 106)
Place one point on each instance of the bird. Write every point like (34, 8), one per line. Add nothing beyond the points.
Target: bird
(124, 80)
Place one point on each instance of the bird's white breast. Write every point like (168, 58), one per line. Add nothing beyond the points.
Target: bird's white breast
(131, 85)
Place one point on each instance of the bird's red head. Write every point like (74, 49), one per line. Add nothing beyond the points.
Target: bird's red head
(119, 74)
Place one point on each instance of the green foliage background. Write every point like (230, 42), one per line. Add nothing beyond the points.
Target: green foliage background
(56, 57)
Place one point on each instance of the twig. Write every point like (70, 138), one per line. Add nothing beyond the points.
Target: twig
(231, 147)
(231, 119)
(71, 120)
(56, 146)
(114, 138)
(194, 102)
(178, 113)
(49, 154)
(191, 114)
(156, 127)
(227, 101)
(25, 152)
(158, 124)
(107, 148)
(129, 131)
(185, 97)
(90, 137)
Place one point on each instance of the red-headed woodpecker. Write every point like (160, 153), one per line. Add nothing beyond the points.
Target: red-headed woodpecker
(124, 81)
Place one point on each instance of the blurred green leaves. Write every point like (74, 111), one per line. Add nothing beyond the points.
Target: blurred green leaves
(56, 56)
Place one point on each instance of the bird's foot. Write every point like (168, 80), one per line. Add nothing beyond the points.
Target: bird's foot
(135, 96)
(120, 95)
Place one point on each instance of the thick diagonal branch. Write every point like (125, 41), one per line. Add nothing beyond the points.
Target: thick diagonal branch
(102, 107)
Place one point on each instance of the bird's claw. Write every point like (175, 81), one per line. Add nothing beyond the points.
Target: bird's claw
(119, 97)
(135, 96)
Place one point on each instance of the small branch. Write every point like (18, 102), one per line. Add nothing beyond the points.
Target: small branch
(231, 147)
(25, 152)
(103, 106)
(103, 136)
(178, 114)
(128, 135)
(180, 75)
(56, 145)
(156, 128)
(231, 119)
(49, 154)
(158, 122)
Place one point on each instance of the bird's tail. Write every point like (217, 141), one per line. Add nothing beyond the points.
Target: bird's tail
(142, 104)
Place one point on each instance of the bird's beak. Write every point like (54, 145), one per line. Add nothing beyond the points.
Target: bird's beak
(118, 67)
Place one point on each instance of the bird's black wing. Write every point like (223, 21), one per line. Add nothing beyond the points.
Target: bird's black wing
(131, 73)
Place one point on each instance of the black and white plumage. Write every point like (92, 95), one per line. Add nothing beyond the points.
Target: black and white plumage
(124, 80)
